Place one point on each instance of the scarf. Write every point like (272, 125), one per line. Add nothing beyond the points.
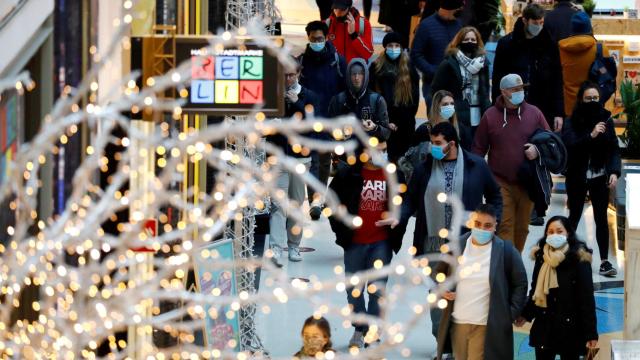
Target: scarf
(436, 211)
(469, 69)
(548, 277)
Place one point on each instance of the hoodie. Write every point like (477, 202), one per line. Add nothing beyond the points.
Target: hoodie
(577, 53)
(503, 133)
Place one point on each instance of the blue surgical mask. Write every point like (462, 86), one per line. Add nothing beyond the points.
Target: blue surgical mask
(556, 241)
(517, 97)
(534, 29)
(437, 151)
(447, 111)
(482, 237)
(393, 53)
(317, 46)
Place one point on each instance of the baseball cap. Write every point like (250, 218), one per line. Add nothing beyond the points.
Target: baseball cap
(510, 81)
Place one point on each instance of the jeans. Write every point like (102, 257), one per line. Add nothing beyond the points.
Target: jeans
(360, 257)
(280, 225)
(320, 168)
(599, 193)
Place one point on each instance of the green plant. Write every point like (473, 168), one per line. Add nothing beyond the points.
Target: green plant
(630, 93)
(589, 6)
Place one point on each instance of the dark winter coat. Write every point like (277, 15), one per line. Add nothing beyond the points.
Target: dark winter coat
(305, 97)
(480, 14)
(508, 281)
(397, 14)
(478, 183)
(537, 61)
(358, 103)
(347, 184)
(569, 320)
(403, 116)
(581, 148)
(448, 77)
(323, 73)
(431, 40)
(558, 21)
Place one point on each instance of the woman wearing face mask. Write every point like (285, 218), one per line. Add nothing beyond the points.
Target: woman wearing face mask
(593, 165)
(316, 338)
(443, 109)
(465, 73)
(561, 302)
(393, 76)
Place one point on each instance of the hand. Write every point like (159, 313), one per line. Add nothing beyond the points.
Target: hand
(369, 125)
(600, 128)
(387, 222)
(613, 181)
(351, 23)
(558, 121)
(530, 151)
(592, 344)
(393, 127)
(449, 295)
(520, 321)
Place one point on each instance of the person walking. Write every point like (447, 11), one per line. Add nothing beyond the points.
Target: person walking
(505, 128)
(431, 40)
(556, 20)
(396, 15)
(281, 235)
(324, 73)
(594, 165)
(465, 74)
(349, 32)
(488, 297)
(480, 14)
(362, 188)
(530, 52)
(394, 77)
(561, 304)
(443, 109)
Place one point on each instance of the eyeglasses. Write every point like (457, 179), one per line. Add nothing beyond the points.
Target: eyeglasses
(591, 98)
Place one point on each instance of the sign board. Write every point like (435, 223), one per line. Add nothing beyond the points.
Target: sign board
(625, 349)
(233, 81)
(221, 325)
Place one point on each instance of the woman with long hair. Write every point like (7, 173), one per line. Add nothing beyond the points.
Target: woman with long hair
(394, 77)
(465, 73)
(443, 108)
(593, 165)
(561, 302)
(316, 338)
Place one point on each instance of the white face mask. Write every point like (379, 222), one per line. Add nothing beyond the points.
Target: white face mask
(556, 241)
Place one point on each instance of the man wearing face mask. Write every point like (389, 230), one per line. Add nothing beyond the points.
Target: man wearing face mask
(349, 32)
(503, 132)
(530, 52)
(488, 298)
(362, 188)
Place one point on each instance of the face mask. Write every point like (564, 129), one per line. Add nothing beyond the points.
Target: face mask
(393, 53)
(468, 47)
(317, 46)
(517, 97)
(534, 29)
(313, 345)
(591, 107)
(382, 162)
(482, 237)
(447, 111)
(437, 151)
(341, 18)
(556, 241)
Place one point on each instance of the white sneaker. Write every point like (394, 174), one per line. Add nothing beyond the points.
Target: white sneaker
(294, 254)
(277, 257)
(357, 340)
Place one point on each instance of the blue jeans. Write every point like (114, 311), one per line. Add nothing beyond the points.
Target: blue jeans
(360, 257)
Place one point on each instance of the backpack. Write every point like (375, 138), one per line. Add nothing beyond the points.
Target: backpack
(360, 23)
(604, 72)
(336, 62)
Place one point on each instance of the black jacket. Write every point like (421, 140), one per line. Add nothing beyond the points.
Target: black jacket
(448, 77)
(480, 14)
(558, 21)
(569, 320)
(537, 61)
(581, 148)
(305, 97)
(347, 184)
(478, 183)
(324, 73)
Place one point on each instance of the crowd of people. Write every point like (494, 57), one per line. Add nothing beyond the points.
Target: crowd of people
(495, 134)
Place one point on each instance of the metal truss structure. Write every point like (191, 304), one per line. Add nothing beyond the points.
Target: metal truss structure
(239, 12)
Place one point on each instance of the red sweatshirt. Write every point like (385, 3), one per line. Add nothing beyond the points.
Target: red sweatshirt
(373, 203)
(505, 141)
(351, 46)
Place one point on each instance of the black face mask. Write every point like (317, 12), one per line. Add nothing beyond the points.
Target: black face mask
(591, 110)
(341, 19)
(468, 48)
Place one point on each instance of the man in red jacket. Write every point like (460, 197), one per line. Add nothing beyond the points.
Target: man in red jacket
(349, 32)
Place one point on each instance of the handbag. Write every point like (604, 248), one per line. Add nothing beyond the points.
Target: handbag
(591, 353)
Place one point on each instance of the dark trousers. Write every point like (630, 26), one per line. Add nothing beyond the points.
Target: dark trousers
(325, 8)
(367, 4)
(357, 258)
(321, 169)
(549, 354)
(599, 194)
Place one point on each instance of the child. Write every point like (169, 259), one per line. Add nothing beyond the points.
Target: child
(316, 337)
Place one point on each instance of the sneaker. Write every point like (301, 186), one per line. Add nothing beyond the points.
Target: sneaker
(294, 254)
(537, 221)
(315, 212)
(606, 269)
(357, 340)
(277, 257)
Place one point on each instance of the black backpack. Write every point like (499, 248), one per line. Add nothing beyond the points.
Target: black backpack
(604, 72)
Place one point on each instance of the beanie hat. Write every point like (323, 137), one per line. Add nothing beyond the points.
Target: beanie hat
(451, 4)
(581, 23)
(392, 37)
(342, 4)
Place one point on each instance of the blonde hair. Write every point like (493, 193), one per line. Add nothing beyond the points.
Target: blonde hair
(403, 94)
(453, 46)
(434, 112)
